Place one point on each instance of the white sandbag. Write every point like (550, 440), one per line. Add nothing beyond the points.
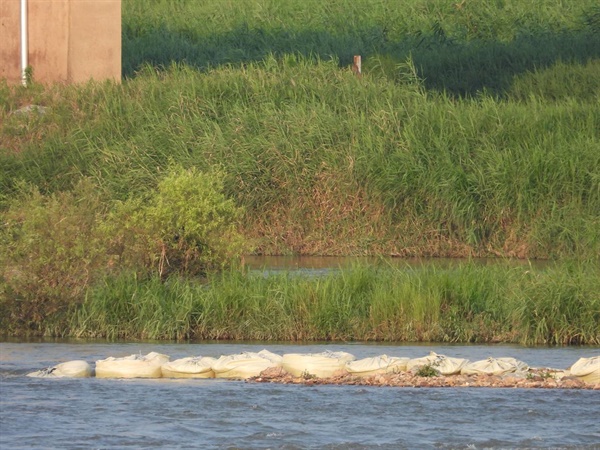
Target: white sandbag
(587, 369)
(380, 364)
(69, 369)
(191, 367)
(270, 356)
(245, 365)
(494, 366)
(558, 374)
(443, 364)
(321, 365)
(133, 366)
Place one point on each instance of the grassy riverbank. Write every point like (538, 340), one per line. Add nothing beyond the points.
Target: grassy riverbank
(473, 131)
(464, 303)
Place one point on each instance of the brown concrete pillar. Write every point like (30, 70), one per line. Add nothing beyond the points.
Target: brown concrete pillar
(94, 40)
(10, 41)
(69, 40)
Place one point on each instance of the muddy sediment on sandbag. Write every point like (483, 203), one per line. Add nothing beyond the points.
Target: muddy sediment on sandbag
(532, 379)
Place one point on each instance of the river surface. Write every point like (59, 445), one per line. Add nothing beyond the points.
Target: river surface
(222, 414)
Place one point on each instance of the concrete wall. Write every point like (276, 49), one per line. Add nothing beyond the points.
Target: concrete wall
(69, 40)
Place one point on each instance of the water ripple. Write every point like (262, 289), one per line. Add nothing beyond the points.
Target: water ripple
(100, 413)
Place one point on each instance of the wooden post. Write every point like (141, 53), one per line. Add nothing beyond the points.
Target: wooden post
(356, 66)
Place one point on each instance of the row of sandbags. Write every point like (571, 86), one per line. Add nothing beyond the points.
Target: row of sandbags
(321, 365)
(441, 364)
(587, 369)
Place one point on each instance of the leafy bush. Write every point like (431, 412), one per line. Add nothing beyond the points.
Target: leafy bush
(187, 226)
(56, 246)
(51, 252)
(427, 371)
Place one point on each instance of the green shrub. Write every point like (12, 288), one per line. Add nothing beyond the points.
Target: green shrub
(427, 371)
(51, 252)
(56, 246)
(187, 226)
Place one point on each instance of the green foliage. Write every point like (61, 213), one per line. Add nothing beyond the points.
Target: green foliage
(551, 305)
(458, 303)
(28, 75)
(306, 375)
(461, 46)
(326, 163)
(129, 307)
(187, 226)
(56, 246)
(427, 370)
(51, 252)
(472, 132)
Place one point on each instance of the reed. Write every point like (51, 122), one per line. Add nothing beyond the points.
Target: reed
(326, 163)
(445, 35)
(472, 132)
(558, 304)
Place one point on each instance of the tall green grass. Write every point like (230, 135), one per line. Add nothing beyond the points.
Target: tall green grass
(461, 46)
(326, 163)
(473, 131)
(465, 303)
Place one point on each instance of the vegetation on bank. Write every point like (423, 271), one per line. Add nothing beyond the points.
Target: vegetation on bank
(239, 127)
(463, 303)
(56, 248)
(472, 132)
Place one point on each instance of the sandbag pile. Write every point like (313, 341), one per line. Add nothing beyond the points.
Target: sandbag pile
(245, 365)
(133, 366)
(587, 369)
(320, 365)
(190, 367)
(69, 369)
(368, 367)
(443, 364)
(308, 366)
(494, 366)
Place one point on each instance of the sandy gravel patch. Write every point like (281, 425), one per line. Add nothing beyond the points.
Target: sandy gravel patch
(532, 379)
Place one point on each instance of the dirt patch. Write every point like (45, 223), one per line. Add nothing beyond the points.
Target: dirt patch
(532, 379)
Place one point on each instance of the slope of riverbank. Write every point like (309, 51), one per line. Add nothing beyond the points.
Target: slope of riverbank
(240, 128)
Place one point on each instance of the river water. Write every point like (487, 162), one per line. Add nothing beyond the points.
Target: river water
(222, 414)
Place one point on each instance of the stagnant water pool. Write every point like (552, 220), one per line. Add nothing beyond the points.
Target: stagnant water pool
(223, 414)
